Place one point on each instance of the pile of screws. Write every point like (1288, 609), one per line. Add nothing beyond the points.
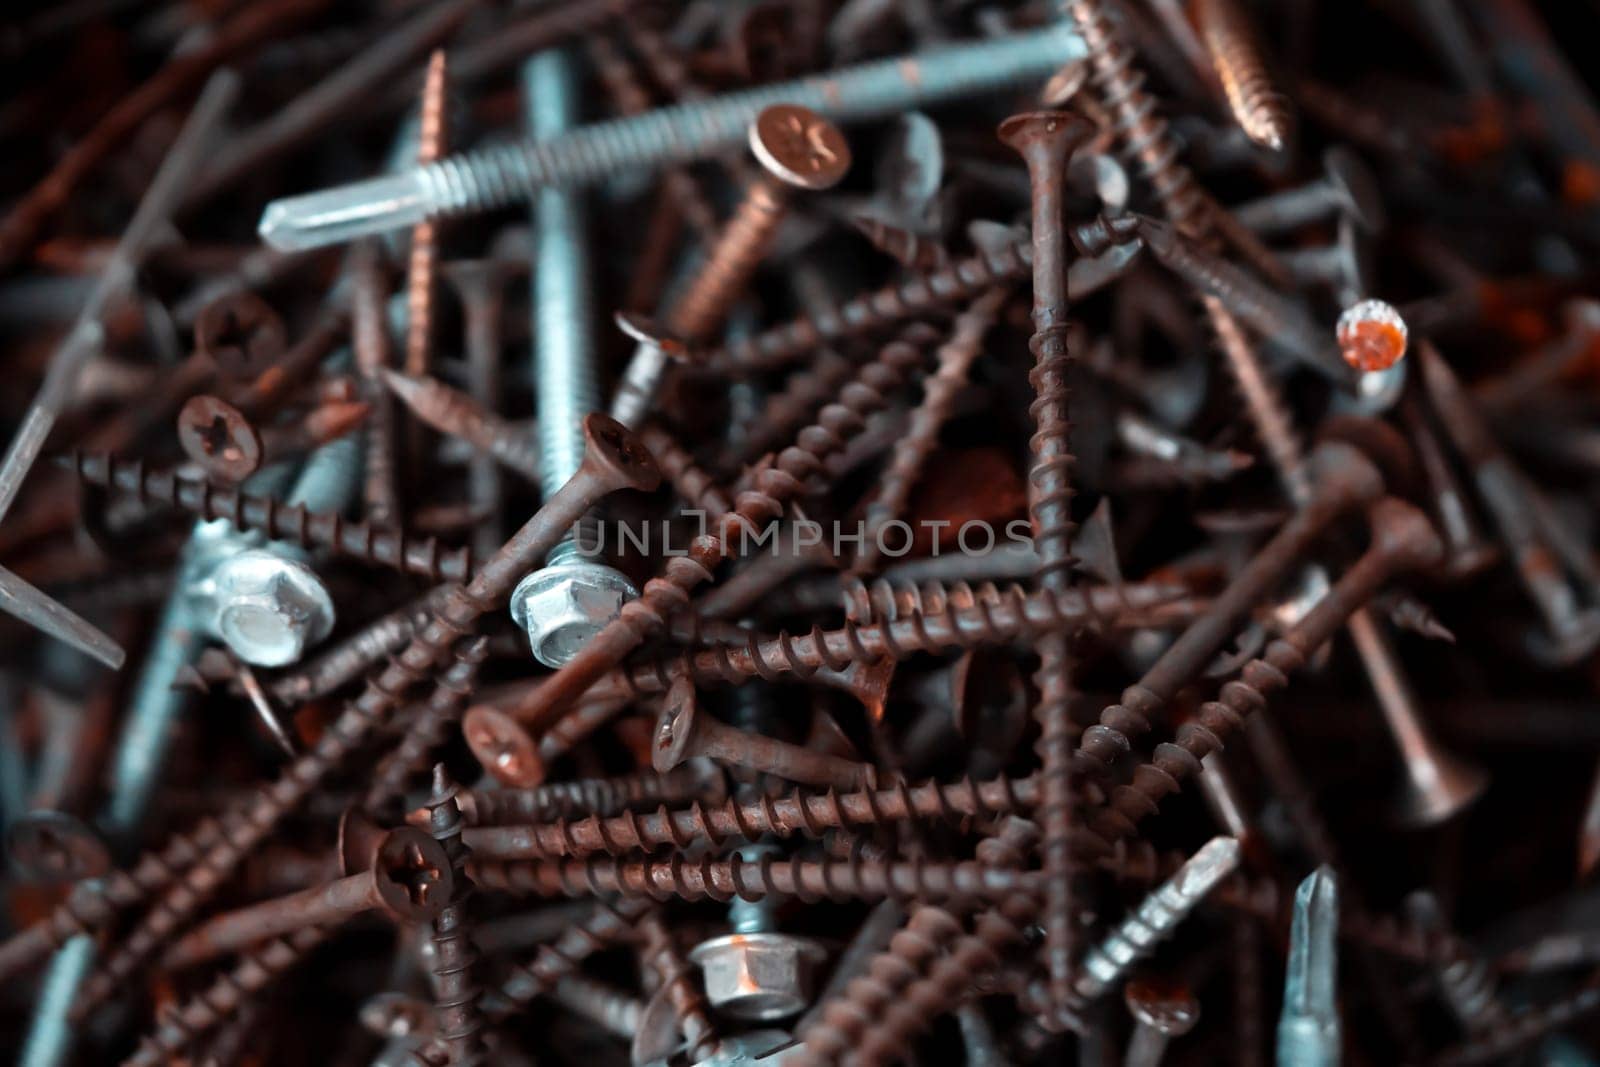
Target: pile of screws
(793, 532)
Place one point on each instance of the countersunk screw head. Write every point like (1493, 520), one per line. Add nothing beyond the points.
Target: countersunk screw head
(563, 606)
(503, 747)
(615, 453)
(413, 874)
(799, 146)
(52, 846)
(675, 731)
(241, 333)
(1059, 130)
(217, 436)
(1168, 1007)
(269, 609)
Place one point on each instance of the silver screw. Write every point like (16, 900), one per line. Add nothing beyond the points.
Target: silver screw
(493, 177)
(1308, 1029)
(1157, 915)
(264, 602)
(571, 598)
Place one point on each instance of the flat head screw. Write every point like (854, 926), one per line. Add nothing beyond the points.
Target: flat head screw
(1309, 1029)
(1161, 1010)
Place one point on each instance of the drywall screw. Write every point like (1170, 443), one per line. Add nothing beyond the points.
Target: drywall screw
(602, 798)
(1347, 188)
(1402, 540)
(907, 248)
(573, 595)
(370, 337)
(1008, 616)
(189, 1021)
(686, 732)
(1257, 106)
(1046, 140)
(453, 412)
(428, 731)
(904, 466)
(1437, 784)
(797, 148)
(1506, 495)
(1237, 293)
(840, 1022)
(749, 820)
(1309, 1031)
(1155, 918)
(432, 139)
(772, 487)
(484, 180)
(707, 878)
(614, 460)
(677, 987)
(1161, 1010)
(249, 512)
(410, 879)
(455, 959)
(948, 979)
(1342, 479)
(914, 297)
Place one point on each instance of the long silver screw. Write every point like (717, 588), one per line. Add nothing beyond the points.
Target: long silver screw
(571, 598)
(1156, 917)
(1308, 1029)
(495, 176)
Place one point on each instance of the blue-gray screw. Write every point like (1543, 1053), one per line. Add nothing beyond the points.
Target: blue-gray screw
(495, 176)
(1308, 1029)
(569, 599)
(1156, 917)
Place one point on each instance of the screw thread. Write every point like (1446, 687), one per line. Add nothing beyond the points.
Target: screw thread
(845, 1019)
(455, 961)
(602, 798)
(191, 1020)
(733, 258)
(678, 985)
(1259, 108)
(279, 521)
(785, 411)
(947, 981)
(430, 729)
(903, 246)
(856, 877)
(904, 467)
(733, 821)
